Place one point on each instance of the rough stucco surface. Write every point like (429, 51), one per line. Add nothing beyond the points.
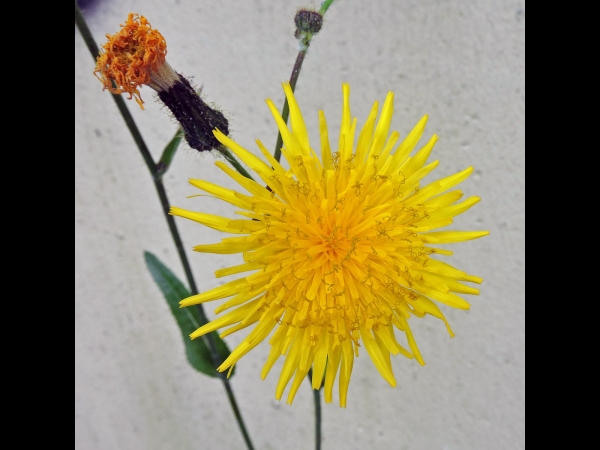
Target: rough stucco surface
(461, 62)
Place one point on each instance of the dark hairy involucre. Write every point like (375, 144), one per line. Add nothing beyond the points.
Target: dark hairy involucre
(196, 118)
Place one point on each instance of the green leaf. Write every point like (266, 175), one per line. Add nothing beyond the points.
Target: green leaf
(188, 320)
(169, 152)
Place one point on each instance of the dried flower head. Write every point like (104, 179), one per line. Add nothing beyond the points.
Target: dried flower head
(136, 56)
(132, 57)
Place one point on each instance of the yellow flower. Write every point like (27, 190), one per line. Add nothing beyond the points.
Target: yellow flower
(339, 248)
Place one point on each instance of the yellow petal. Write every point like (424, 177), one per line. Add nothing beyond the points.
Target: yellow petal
(450, 237)
(228, 319)
(227, 195)
(228, 246)
(409, 142)
(333, 362)
(378, 359)
(209, 220)
(226, 290)
(345, 370)
(383, 125)
(296, 120)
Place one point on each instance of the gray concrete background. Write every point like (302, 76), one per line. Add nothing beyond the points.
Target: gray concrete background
(461, 62)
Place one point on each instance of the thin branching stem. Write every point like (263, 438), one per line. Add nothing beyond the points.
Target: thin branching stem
(234, 162)
(318, 420)
(304, 44)
(162, 194)
(286, 107)
(325, 6)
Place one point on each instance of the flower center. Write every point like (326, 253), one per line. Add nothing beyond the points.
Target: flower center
(336, 244)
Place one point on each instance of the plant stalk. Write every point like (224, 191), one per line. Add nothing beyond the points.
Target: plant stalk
(305, 43)
(318, 418)
(162, 194)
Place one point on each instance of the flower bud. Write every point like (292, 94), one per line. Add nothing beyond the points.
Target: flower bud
(307, 21)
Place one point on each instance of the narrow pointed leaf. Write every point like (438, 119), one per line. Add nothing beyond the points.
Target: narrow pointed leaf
(169, 152)
(188, 320)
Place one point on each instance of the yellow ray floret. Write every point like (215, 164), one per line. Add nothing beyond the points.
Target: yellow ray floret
(338, 253)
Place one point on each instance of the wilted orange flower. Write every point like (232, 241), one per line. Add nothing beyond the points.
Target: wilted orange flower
(136, 56)
(132, 57)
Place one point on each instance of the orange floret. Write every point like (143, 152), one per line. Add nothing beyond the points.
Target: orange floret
(130, 56)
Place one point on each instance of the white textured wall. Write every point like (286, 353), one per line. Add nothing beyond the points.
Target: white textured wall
(461, 62)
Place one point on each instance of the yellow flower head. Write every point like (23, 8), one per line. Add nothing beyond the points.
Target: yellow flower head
(132, 57)
(339, 248)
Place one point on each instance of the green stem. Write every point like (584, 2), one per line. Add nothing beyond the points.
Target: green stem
(286, 107)
(162, 194)
(210, 338)
(317, 398)
(234, 162)
(318, 422)
(325, 6)
(304, 44)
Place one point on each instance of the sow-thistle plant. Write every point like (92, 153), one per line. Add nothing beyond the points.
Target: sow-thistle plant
(338, 251)
(340, 248)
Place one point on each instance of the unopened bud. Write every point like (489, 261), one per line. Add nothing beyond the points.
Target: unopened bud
(308, 21)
